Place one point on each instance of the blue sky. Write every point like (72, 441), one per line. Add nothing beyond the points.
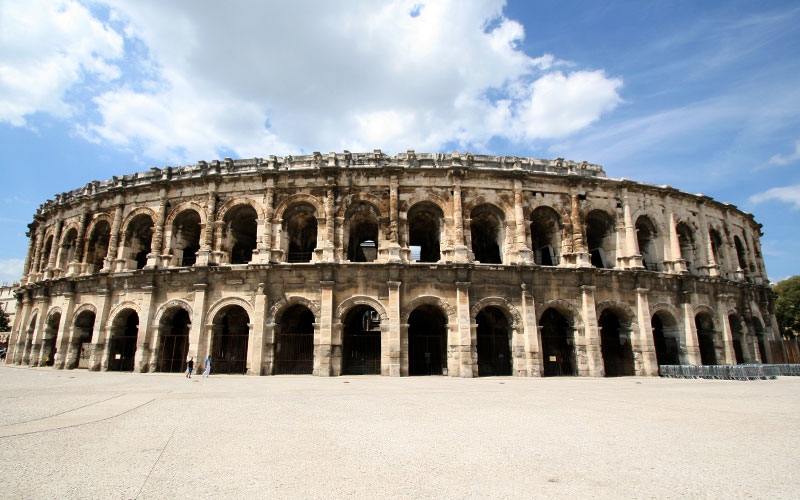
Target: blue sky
(702, 96)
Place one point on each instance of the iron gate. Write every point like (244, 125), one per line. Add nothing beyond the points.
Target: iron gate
(426, 356)
(494, 354)
(230, 354)
(122, 352)
(294, 354)
(362, 353)
(172, 353)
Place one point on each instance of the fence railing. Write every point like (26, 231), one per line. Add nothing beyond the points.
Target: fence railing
(730, 372)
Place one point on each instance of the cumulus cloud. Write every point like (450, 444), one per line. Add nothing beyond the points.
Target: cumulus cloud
(287, 77)
(47, 47)
(787, 194)
(787, 159)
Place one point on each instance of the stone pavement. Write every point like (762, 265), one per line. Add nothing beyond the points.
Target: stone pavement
(79, 434)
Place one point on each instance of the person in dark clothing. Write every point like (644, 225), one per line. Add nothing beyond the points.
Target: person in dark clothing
(191, 367)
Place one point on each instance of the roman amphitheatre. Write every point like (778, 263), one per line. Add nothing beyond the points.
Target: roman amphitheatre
(409, 264)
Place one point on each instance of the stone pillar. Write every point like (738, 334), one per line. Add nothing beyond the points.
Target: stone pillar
(326, 253)
(34, 274)
(393, 246)
(32, 354)
(644, 350)
(578, 241)
(530, 333)
(21, 321)
(26, 267)
(64, 338)
(322, 332)
(460, 250)
(74, 267)
(55, 249)
(524, 254)
(264, 241)
(197, 330)
(255, 344)
(113, 241)
(632, 250)
(594, 354)
(391, 345)
(157, 246)
(207, 239)
(147, 336)
(99, 341)
(727, 336)
(461, 364)
(690, 349)
(676, 260)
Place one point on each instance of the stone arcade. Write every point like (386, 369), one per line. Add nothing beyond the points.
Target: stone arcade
(413, 264)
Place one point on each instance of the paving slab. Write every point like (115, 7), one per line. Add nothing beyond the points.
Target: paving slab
(79, 434)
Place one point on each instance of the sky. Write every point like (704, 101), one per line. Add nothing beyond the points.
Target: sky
(702, 96)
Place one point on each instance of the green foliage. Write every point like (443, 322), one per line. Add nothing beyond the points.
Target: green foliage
(787, 306)
(4, 324)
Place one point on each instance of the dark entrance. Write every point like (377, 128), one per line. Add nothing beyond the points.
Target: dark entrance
(667, 349)
(82, 338)
(229, 349)
(294, 349)
(427, 337)
(174, 341)
(705, 339)
(738, 338)
(494, 343)
(616, 348)
(122, 344)
(49, 340)
(557, 347)
(361, 342)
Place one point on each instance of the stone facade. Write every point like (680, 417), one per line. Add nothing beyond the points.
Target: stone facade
(410, 264)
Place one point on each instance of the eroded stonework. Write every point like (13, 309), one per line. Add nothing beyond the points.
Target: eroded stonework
(413, 264)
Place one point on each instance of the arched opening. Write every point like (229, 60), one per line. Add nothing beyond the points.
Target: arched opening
(487, 234)
(83, 330)
(616, 346)
(546, 236)
(494, 343)
(97, 247)
(138, 240)
(427, 341)
(68, 248)
(706, 338)
(45, 258)
(600, 239)
(49, 340)
(740, 253)
(425, 221)
(665, 339)
(122, 344)
(687, 244)
(173, 334)
(646, 237)
(300, 230)
(361, 342)
(716, 246)
(737, 335)
(239, 234)
(363, 237)
(294, 346)
(186, 238)
(229, 345)
(558, 350)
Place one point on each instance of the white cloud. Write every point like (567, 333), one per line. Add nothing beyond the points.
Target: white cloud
(787, 194)
(10, 270)
(46, 47)
(324, 75)
(787, 159)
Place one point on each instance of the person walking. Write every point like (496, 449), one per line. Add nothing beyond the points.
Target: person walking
(207, 371)
(190, 365)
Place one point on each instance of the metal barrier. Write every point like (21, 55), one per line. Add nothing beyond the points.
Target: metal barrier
(730, 372)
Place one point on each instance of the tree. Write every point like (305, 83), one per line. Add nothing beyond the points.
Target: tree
(787, 306)
(4, 324)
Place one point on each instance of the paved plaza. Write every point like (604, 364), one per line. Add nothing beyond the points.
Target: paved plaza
(79, 434)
